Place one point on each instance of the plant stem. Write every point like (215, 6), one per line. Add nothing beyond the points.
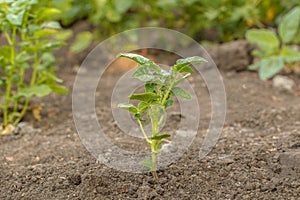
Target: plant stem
(22, 69)
(154, 113)
(36, 63)
(154, 155)
(143, 131)
(22, 113)
(11, 42)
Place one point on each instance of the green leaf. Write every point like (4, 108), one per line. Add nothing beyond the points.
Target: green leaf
(23, 57)
(182, 78)
(146, 97)
(139, 117)
(290, 54)
(179, 92)
(5, 52)
(36, 90)
(143, 107)
(185, 69)
(140, 59)
(64, 35)
(82, 41)
(148, 163)
(15, 19)
(59, 89)
(161, 136)
(145, 73)
(122, 5)
(3, 81)
(169, 103)
(6, 1)
(270, 66)
(129, 107)
(289, 25)
(150, 87)
(44, 33)
(264, 39)
(253, 67)
(158, 145)
(46, 46)
(259, 53)
(51, 25)
(112, 15)
(16, 78)
(181, 64)
(47, 13)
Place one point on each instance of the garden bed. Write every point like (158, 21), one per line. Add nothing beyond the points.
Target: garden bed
(255, 158)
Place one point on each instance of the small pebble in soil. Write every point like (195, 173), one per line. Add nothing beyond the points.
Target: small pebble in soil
(23, 128)
(283, 83)
(168, 147)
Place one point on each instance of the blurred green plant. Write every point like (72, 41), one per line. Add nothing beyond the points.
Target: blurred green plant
(213, 20)
(276, 50)
(26, 60)
(190, 16)
(82, 41)
(160, 85)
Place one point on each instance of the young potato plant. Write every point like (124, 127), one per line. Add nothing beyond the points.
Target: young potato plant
(275, 51)
(26, 60)
(160, 86)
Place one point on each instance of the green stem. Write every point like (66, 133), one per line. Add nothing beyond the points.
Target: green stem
(22, 113)
(22, 69)
(11, 42)
(143, 131)
(154, 155)
(154, 113)
(36, 63)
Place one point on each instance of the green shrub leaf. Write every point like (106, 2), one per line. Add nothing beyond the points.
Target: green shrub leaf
(36, 90)
(145, 73)
(146, 97)
(137, 58)
(179, 92)
(47, 13)
(270, 66)
(52, 25)
(83, 40)
(15, 19)
(161, 136)
(129, 107)
(289, 25)
(290, 54)
(59, 89)
(182, 78)
(253, 67)
(143, 107)
(181, 64)
(169, 103)
(264, 39)
(150, 87)
(123, 5)
(44, 33)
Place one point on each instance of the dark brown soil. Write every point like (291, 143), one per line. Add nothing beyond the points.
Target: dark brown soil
(256, 157)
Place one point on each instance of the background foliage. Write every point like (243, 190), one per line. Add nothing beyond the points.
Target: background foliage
(227, 19)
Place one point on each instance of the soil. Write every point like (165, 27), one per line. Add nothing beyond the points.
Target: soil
(256, 157)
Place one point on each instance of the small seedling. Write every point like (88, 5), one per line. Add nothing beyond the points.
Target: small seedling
(160, 86)
(26, 61)
(275, 51)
